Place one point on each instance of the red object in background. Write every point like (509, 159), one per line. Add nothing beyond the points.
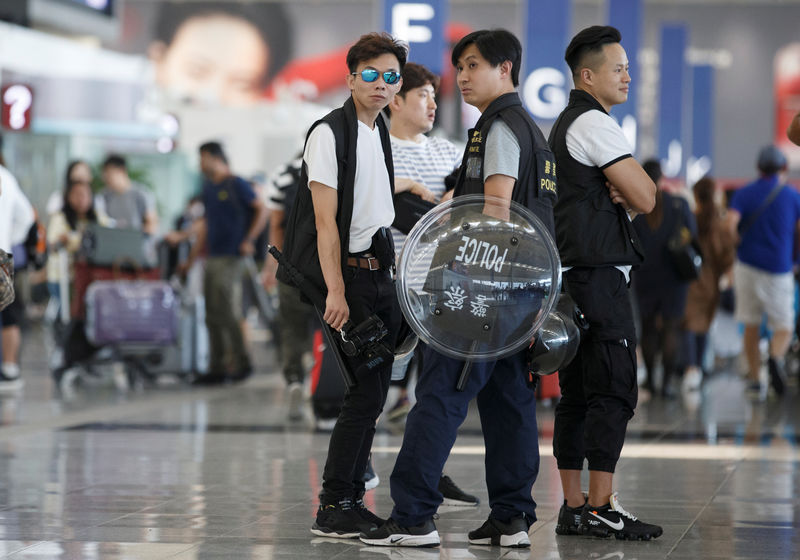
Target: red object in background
(85, 274)
(318, 346)
(17, 100)
(327, 72)
(548, 387)
(787, 98)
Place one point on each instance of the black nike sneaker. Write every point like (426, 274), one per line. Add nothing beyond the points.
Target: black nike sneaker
(366, 514)
(612, 519)
(569, 519)
(513, 534)
(392, 533)
(452, 495)
(340, 520)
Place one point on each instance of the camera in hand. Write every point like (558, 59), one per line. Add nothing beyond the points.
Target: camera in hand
(356, 339)
(364, 344)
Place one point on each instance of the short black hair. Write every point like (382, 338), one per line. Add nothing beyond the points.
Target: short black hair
(496, 46)
(214, 149)
(653, 169)
(269, 18)
(373, 45)
(416, 75)
(589, 41)
(115, 160)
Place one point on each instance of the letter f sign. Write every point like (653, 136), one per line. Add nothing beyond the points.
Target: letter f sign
(402, 16)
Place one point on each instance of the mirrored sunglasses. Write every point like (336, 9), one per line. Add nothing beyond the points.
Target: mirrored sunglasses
(370, 75)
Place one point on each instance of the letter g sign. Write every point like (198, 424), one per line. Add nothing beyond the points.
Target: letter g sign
(544, 92)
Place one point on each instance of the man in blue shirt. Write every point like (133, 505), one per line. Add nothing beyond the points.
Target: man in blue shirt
(233, 219)
(767, 215)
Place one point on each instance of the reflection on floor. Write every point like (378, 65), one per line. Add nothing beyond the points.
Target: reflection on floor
(174, 472)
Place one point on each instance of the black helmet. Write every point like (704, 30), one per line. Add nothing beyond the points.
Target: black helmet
(557, 341)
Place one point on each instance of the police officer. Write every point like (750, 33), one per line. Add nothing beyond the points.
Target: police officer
(507, 157)
(600, 187)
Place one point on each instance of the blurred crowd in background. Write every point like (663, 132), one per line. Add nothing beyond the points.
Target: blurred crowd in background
(136, 109)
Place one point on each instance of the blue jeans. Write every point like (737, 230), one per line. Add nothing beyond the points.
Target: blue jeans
(507, 410)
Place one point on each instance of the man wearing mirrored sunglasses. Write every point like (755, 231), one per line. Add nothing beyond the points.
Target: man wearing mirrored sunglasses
(332, 236)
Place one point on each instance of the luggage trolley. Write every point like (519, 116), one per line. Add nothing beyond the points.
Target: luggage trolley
(123, 312)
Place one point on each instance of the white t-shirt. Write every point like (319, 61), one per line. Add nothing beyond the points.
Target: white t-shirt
(372, 197)
(427, 162)
(596, 140)
(16, 212)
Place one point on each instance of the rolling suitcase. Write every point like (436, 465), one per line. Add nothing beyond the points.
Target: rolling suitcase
(190, 353)
(327, 386)
(131, 312)
(86, 274)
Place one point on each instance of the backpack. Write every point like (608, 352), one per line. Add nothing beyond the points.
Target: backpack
(290, 191)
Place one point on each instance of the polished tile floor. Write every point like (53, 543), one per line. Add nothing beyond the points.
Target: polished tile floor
(186, 473)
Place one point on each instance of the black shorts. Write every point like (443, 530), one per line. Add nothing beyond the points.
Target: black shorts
(14, 313)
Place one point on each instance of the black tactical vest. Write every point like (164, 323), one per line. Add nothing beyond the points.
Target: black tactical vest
(300, 243)
(536, 179)
(590, 229)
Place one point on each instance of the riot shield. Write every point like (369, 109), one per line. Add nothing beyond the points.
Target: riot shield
(477, 277)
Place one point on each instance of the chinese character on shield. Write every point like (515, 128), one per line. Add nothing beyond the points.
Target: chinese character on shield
(456, 297)
(479, 306)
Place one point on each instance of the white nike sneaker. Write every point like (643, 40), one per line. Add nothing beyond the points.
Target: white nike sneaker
(612, 519)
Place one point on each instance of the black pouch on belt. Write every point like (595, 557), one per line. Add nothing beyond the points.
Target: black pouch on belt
(383, 247)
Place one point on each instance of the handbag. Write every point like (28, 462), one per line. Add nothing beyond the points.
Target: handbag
(6, 280)
(684, 252)
(408, 209)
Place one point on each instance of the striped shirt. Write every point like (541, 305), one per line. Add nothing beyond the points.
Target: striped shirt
(427, 162)
(281, 180)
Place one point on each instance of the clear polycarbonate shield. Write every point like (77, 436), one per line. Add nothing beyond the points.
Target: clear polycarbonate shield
(557, 341)
(477, 277)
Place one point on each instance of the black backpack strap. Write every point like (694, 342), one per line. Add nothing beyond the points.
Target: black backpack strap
(383, 127)
(345, 133)
(776, 190)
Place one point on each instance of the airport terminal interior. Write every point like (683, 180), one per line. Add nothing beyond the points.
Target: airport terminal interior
(106, 459)
(108, 471)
